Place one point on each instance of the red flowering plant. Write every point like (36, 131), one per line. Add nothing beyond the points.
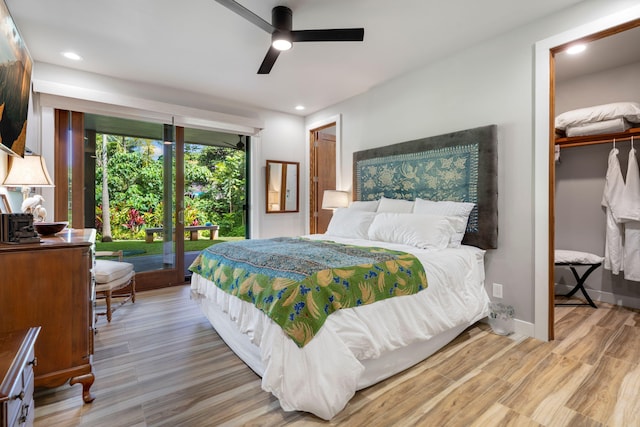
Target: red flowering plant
(99, 219)
(192, 215)
(135, 220)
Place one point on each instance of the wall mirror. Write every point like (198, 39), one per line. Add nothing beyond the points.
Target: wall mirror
(282, 186)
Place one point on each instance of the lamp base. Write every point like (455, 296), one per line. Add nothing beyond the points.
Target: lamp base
(33, 205)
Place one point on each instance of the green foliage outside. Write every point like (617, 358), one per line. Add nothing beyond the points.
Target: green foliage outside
(214, 187)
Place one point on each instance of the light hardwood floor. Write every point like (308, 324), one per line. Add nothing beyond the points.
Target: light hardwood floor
(159, 362)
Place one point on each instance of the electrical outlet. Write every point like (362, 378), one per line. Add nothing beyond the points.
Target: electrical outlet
(497, 290)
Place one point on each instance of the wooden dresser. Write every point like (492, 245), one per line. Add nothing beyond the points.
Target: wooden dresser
(17, 360)
(50, 284)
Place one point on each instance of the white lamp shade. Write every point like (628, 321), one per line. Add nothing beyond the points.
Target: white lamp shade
(30, 171)
(333, 199)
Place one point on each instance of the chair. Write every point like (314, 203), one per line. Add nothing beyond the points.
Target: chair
(113, 277)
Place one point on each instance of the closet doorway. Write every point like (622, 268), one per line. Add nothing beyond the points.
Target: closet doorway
(605, 73)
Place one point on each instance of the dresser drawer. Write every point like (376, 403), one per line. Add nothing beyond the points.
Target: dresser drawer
(17, 378)
(20, 406)
(26, 409)
(13, 411)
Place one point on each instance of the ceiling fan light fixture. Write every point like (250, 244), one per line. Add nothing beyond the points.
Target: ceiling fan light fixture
(282, 34)
(281, 41)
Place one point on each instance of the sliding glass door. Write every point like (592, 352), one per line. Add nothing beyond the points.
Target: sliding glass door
(121, 178)
(215, 189)
(159, 192)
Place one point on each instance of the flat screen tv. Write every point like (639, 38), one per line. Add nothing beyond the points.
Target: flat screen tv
(15, 85)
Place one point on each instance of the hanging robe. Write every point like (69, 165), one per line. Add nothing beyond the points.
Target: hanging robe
(611, 199)
(629, 214)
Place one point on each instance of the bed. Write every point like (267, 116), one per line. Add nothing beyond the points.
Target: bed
(438, 217)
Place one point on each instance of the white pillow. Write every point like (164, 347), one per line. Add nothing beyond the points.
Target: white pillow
(395, 205)
(422, 231)
(350, 223)
(458, 213)
(598, 113)
(367, 206)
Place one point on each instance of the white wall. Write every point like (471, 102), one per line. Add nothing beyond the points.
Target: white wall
(491, 83)
(283, 138)
(613, 85)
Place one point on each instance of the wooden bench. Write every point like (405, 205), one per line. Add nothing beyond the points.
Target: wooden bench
(192, 229)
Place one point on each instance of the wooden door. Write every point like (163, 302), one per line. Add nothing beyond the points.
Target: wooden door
(69, 139)
(323, 174)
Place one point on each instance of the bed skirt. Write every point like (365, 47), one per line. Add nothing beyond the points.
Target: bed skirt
(375, 370)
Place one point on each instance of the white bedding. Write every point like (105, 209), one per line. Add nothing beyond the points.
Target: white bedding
(629, 111)
(598, 128)
(320, 381)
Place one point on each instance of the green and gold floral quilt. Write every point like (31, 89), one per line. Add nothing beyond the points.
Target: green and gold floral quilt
(298, 282)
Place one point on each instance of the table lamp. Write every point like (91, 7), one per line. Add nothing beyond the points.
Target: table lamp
(26, 172)
(334, 199)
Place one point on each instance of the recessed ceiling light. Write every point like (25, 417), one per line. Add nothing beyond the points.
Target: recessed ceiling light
(299, 107)
(576, 48)
(72, 55)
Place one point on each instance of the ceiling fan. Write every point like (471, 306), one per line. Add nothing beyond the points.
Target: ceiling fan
(282, 35)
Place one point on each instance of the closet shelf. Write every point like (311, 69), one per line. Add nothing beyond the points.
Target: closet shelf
(578, 141)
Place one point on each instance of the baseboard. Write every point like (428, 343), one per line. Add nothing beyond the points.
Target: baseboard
(527, 328)
(520, 327)
(599, 296)
(523, 328)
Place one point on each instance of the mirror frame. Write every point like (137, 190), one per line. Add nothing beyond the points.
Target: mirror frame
(281, 196)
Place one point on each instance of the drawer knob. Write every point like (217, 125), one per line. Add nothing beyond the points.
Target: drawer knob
(34, 362)
(19, 396)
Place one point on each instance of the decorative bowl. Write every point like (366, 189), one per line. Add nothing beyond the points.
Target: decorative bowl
(49, 228)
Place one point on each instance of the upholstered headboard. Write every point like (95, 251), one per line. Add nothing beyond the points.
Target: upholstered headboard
(460, 166)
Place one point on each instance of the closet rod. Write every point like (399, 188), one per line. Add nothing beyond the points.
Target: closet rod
(598, 139)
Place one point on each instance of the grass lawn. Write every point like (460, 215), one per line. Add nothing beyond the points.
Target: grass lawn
(140, 247)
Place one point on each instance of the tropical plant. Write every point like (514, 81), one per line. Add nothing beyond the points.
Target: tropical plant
(133, 170)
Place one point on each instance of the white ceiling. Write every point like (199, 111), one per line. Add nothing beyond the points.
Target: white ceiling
(202, 47)
(614, 51)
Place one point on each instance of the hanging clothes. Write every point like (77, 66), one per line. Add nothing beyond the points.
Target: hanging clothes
(611, 199)
(629, 214)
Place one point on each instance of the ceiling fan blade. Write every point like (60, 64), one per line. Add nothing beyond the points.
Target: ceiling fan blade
(269, 60)
(247, 14)
(333, 35)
